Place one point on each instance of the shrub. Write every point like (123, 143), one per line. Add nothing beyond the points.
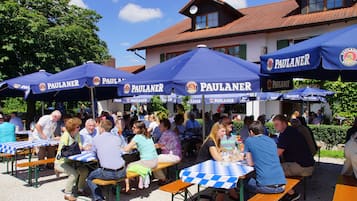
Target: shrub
(329, 134)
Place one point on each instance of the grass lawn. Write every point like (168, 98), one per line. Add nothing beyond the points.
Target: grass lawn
(332, 153)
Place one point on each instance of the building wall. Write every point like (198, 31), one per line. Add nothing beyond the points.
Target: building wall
(256, 45)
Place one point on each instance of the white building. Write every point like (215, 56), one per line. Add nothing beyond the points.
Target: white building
(248, 33)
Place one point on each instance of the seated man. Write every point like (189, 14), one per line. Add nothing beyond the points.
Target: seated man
(17, 121)
(88, 133)
(292, 146)
(7, 130)
(350, 166)
(107, 147)
(261, 152)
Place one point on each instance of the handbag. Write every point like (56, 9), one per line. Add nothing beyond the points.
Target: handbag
(70, 150)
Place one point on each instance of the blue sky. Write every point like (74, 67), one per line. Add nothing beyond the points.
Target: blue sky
(127, 22)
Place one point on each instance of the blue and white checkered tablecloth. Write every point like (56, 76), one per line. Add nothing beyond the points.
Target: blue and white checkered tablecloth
(85, 156)
(11, 147)
(215, 174)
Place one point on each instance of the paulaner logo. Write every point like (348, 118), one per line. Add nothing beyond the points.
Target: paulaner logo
(348, 57)
(143, 88)
(96, 80)
(42, 87)
(191, 87)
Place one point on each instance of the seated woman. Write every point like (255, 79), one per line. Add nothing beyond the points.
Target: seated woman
(170, 146)
(143, 142)
(211, 149)
(70, 136)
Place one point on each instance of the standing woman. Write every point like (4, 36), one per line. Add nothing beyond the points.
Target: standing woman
(143, 142)
(70, 136)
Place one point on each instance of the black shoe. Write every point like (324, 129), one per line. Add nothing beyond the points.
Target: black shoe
(293, 197)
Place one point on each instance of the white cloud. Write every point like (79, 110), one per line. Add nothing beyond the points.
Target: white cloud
(124, 43)
(135, 13)
(78, 3)
(237, 3)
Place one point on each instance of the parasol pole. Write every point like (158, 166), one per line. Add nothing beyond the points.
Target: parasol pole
(92, 100)
(203, 117)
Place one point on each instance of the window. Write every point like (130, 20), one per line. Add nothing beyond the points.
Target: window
(200, 22)
(239, 51)
(207, 21)
(320, 5)
(331, 4)
(316, 5)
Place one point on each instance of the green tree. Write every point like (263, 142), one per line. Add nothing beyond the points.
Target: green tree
(47, 34)
(159, 107)
(343, 103)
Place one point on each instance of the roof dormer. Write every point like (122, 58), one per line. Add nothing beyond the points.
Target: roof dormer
(312, 6)
(206, 14)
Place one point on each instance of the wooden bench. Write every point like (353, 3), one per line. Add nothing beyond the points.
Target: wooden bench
(12, 158)
(34, 165)
(290, 184)
(129, 175)
(175, 188)
(346, 189)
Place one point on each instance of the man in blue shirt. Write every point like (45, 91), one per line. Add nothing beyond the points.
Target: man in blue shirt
(108, 150)
(261, 152)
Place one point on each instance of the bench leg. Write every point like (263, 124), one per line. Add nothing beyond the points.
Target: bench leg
(117, 192)
(36, 176)
(304, 183)
(241, 190)
(29, 176)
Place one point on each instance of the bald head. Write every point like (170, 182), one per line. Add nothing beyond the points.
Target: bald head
(56, 115)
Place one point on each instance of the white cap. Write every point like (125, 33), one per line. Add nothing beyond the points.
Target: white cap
(201, 46)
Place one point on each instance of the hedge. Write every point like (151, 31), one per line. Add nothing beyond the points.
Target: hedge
(329, 134)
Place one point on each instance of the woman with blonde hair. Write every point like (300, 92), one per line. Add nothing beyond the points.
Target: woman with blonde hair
(143, 142)
(70, 136)
(211, 149)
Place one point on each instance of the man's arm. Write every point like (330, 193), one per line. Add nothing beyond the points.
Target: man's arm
(249, 159)
(40, 131)
(280, 151)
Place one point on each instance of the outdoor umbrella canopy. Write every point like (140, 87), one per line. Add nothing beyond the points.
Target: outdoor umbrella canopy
(85, 82)
(74, 83)
(20, 86)
(307, 94)
(325, 57)
(199, 71)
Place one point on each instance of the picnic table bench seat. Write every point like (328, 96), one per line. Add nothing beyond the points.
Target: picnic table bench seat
(116, 183)
(34, 165)
(290, 184)
(346, 189)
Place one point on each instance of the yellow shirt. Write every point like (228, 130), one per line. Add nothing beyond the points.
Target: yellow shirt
(66, 139)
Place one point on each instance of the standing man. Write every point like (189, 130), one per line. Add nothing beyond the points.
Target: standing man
(262, 154)
(44, 130)
(17, 121)
(292, 146)
(108, 150)
(88, 133)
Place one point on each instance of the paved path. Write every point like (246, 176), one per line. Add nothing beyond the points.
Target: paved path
(320, 186)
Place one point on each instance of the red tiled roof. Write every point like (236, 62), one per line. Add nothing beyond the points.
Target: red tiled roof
(265, 18)
(133, 69)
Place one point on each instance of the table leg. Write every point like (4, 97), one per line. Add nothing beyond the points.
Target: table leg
(241, 190)
(29, 172)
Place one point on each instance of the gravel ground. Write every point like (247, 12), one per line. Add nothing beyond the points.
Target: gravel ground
(320, 186)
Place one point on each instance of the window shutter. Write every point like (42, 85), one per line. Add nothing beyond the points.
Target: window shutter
(243, 51)
(162, 57)
(281, 44)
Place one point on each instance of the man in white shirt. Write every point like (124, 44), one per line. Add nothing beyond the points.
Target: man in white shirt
(88, 133)
(44, 130)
